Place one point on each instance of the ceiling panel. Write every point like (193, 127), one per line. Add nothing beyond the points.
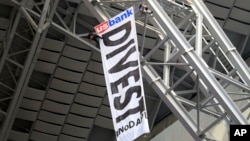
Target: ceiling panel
(241, 15)
(226, 3)
(237, 27)
(244, 4)
(218, 11)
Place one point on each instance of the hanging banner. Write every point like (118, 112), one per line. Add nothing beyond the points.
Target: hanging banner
(120, 59)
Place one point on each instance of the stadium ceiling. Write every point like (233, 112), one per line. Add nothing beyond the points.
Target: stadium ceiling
(51, 82)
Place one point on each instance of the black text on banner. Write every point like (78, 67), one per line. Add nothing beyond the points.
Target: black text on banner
(123, 78)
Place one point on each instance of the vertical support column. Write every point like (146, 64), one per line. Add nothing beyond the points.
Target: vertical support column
(166, 68)
(144, 33)
(198, 41)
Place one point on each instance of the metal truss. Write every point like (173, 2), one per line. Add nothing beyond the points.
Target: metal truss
(192, 66)
(197, 40)
(22, 46)
(197, 52)
(17, 61)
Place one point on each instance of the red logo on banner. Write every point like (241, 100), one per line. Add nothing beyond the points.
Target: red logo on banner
(102, 27)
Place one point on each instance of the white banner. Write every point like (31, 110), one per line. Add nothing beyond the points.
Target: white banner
(120, 59)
